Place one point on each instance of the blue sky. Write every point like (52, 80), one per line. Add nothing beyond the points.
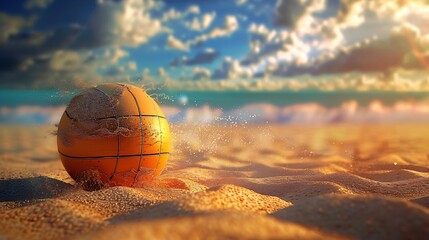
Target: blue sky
(216, 45)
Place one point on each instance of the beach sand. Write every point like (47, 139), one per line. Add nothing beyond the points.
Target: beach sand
(230, 182)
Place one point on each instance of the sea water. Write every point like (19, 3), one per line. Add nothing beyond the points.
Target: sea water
(226, 100)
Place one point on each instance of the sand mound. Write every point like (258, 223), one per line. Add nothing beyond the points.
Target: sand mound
(50, 219)
(174, 183)
(226, 197)
(402, 189)
(221, 225)
(234, 197)
(112, 201)
(32, 188)
(394, 175)
(286, 188)
(122, 200)
(362, 217)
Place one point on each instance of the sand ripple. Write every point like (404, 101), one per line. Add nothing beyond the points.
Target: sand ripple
(229, 182)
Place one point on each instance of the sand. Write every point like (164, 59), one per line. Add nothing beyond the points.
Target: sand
(230, 182)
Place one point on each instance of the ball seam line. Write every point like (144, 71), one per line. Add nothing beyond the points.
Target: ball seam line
(141, 133)
(160, 132)
(120, 156)
(118, 125)
(122, 116)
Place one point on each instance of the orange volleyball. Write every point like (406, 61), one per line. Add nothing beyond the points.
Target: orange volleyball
(113, 134)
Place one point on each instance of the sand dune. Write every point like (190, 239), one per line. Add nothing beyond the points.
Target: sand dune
(219, 225)
(225, 197)
(362, 217)
(49, 219)
(234, 182)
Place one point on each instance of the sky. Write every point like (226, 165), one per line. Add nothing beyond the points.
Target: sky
(254, 45)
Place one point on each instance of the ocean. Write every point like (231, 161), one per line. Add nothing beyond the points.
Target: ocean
(226, 100)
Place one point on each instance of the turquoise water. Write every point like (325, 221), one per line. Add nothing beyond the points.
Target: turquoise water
(15, 98)
(231, 100)
(226, 100)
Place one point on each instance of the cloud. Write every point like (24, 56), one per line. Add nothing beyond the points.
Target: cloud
(205, 57)
(112, 24)
(30, 4)
(331, 35)
(230, 26)
(403, 48)
(201, 24)
(146, 74)
(174, 43)
(388, 8)
(268, 49)
(10, 25)
(162, 73)
(351, 13)
(232, 69)
(132, 65)
(74, 53)
(65, 60)
(321, 51)
(266, 43)
(173, 14)
(61, 69)
(297, 14)
(125, 23)
(232, 76)
(115, 54)
(305, 41)
(200, 73)
(193, 9)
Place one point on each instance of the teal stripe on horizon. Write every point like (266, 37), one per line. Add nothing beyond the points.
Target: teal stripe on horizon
(226, 99)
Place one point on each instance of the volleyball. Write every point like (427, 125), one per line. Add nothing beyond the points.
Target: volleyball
(113, 135)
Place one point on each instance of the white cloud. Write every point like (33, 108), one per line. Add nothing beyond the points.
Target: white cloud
(229, 27)
(309, 38)
(271, 48)
(201, 73)
(194, 9)
(232, 69)
(174, 43)
(403, 81)
(162, 73)
(115, 54)
(201, 24)
(146, 75)
(298, 14)
(173, 14)
(132, 65)
(387, 8)
(351, 13)
(65, 60)
(331, 35)
(126, 23)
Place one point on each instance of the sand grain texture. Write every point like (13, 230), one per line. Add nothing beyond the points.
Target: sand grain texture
(230, 182)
